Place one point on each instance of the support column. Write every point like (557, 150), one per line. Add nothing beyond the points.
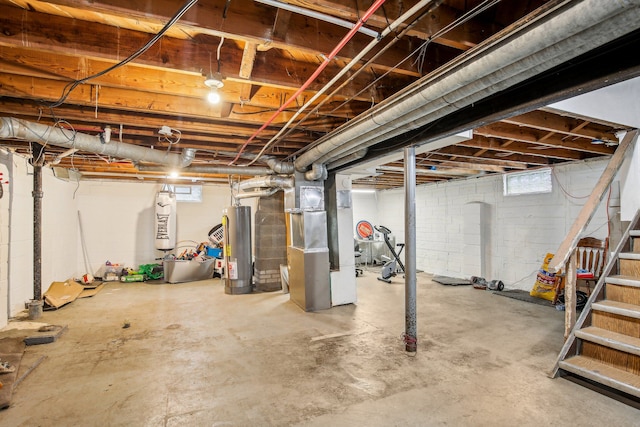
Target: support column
(37, 162)
(410, 334)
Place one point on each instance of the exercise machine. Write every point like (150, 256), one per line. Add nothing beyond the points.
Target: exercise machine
(390, 268)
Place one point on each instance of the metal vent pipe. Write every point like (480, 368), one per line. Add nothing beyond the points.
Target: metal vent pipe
(44, 134)
(545, 43)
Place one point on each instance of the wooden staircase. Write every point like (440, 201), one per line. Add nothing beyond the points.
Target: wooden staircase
(604, 345)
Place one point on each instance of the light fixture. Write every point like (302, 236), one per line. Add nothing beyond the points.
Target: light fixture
(174, 174)
(214, 82)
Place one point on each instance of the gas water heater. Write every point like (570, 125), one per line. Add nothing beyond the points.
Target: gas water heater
(237, 249)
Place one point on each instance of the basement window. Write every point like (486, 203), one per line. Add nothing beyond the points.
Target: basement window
(187, 193)
(536, 182)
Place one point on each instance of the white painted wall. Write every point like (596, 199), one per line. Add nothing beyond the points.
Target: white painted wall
(16, 233)
(117, 220)
(365, 208)
(520, 229)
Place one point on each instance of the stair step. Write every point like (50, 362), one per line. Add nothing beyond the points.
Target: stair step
(629, 255)
(610, 339)
(603, 374)
(634, 233)
(623, 281)
(615, 307)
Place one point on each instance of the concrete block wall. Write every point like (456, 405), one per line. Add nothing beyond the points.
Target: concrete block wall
(520, 229)
(270, 242)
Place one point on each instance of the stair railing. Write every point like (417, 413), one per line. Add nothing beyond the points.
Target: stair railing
(597, 293)
(565, 257)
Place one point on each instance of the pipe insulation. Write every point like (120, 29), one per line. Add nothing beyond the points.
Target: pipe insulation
(273, 181)
(278, 166)
(44, 134)
(546, 43)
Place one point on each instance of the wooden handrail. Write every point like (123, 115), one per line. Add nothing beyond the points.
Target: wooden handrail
(568, 245)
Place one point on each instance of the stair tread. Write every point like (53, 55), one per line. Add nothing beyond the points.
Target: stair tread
(604, 374)
(634, 233)
(610, 339)
(623, 280)
(616, 307)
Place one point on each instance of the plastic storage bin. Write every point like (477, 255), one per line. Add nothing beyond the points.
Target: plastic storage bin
(176, 271)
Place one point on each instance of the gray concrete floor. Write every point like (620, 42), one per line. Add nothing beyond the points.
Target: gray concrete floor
(194, 356)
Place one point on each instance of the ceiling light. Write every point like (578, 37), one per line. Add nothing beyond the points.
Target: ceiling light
(214, 82)
(174, 174)
(213, 97)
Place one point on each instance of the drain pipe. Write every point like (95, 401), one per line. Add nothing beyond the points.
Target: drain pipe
(213, 169)
(528, 51)
(411, 333)
(36, 132)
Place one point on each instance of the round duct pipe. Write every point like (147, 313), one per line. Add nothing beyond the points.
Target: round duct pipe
(36, 132)
(545, 43)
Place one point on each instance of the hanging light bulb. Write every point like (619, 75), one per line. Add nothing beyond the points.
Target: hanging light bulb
(213, 97)
(214, 82)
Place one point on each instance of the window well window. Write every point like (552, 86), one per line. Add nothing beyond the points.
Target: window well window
(534, 182)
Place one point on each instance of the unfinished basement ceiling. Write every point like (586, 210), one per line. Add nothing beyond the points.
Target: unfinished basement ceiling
(265, 54)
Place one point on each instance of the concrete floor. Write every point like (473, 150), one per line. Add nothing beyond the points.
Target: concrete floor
(194, 356)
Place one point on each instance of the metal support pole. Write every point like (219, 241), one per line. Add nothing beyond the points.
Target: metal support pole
(410, 335)
(37, 162)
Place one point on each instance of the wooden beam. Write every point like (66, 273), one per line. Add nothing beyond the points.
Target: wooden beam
(80, 40)
(521, 148)
(281, 24)
(248, 58)
(245, 21)
(544, 120)
(524, 134)
(517, 161)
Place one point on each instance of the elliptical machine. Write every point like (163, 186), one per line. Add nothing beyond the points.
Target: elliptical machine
(390, 268)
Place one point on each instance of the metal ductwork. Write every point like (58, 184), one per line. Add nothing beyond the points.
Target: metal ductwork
(257, 193)
(277, 182)
(260, 186)
(317, 172)
(36, 132)
(348, 158)
(532, 48)
(213, 169)
(277, 166)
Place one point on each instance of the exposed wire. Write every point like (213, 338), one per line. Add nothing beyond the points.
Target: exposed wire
(564, 190)
(334, 80)
(75, 83)
(315, 74)
(454, 24)
(461, 20)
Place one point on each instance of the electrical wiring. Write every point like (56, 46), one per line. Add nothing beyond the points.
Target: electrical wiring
(73, 84)
(564, 190)
(452, 25)
(315, 74)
